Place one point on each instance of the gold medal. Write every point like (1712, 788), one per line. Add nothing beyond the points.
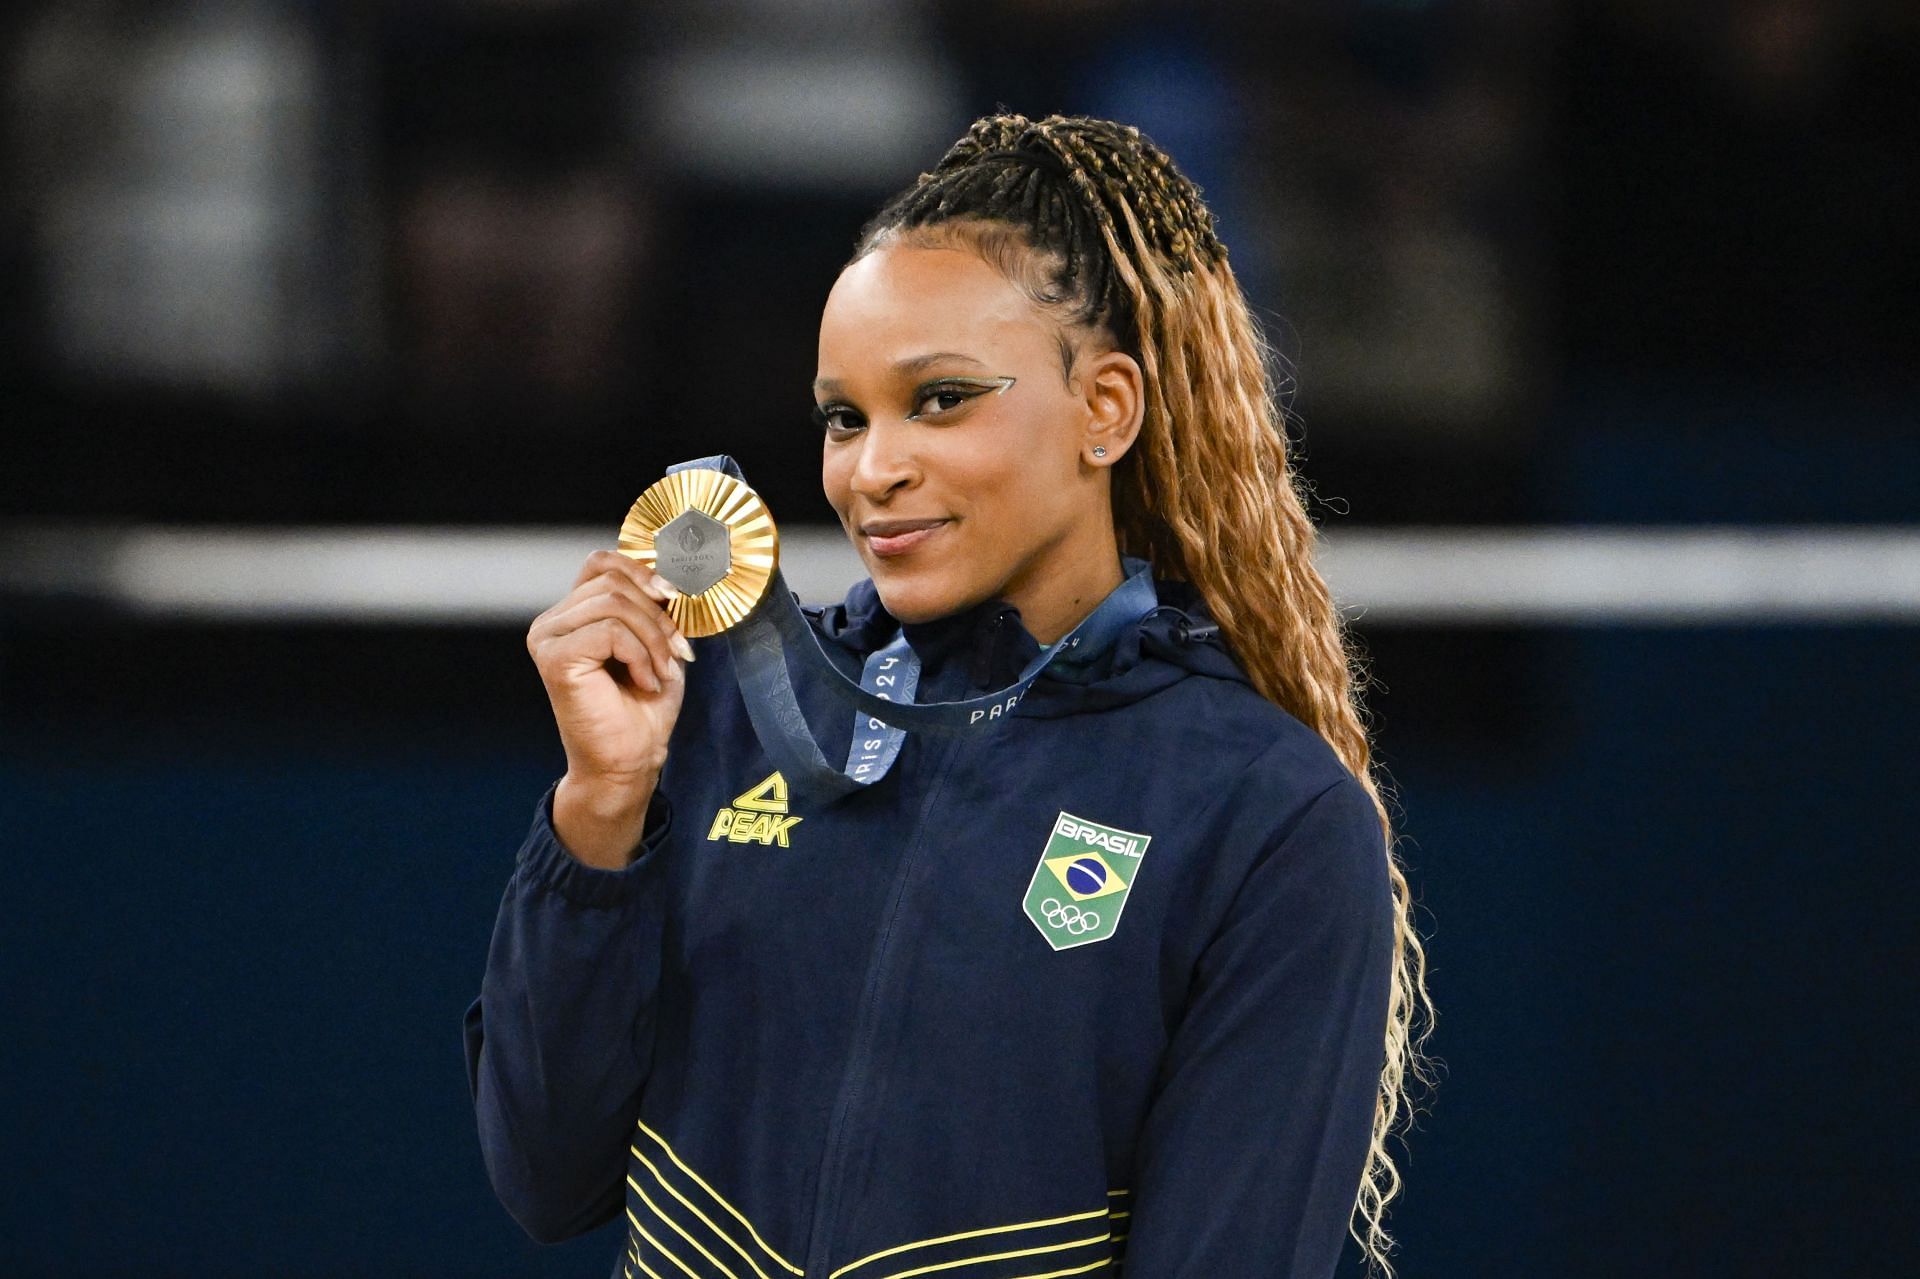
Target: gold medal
(712, 539)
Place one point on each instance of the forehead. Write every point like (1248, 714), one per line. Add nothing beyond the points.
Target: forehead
(902, 301)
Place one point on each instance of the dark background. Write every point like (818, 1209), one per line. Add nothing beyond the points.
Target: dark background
(500, 263)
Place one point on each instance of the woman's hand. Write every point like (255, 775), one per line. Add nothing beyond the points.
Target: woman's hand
(612, 662)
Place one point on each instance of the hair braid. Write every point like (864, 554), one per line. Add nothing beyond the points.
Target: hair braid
(1099, 226)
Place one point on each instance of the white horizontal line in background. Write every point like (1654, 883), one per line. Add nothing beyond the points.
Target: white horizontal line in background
(1596, 575)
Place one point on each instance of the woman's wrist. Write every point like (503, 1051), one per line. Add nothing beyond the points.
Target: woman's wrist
(601, 823)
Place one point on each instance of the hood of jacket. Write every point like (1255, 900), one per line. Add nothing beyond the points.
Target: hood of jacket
(985, 647)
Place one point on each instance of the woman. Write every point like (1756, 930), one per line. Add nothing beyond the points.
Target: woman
(1124, 975)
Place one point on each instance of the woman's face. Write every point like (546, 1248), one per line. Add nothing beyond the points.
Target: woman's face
(956, 454)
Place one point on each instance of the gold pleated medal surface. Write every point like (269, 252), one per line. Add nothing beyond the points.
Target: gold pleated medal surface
(712, 538)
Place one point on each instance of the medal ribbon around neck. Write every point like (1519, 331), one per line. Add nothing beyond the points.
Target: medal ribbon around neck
(747, 598)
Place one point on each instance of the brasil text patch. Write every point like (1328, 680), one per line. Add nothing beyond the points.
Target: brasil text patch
(1082, 881)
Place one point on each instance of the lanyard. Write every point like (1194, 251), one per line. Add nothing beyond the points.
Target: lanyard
(893, 672)
(885, 711)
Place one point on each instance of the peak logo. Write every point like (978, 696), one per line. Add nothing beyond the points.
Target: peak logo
(757, 816)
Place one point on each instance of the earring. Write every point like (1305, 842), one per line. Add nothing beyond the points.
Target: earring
(1099, 450)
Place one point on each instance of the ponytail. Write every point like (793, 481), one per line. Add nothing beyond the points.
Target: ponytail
(1111, 235)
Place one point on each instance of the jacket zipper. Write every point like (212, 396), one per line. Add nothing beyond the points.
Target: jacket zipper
(852, 1081)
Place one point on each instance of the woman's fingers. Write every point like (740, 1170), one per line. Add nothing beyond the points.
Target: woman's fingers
(640, 661)
(613, 566)
(613, 612)
(644, 579)
(594, 643)
(609, 638)
(597, 604)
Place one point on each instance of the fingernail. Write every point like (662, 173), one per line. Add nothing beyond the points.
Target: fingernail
(680, 646)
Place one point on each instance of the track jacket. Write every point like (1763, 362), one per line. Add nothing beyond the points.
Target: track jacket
(1104, 982)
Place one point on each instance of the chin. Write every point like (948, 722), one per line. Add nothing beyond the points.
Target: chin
(917, 601)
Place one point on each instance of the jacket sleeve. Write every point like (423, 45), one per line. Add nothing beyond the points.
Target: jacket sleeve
(560, 1039)
(1251, 1156)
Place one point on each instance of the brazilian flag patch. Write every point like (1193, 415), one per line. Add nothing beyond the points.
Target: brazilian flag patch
(1081, 883)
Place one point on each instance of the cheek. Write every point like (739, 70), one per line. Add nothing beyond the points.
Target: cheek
(987, 472)
(1027, 463)
(835, 472)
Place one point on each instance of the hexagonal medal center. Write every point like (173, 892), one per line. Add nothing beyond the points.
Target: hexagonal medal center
(693, 551)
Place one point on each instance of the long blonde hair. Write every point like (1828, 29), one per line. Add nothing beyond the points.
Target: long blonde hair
(1099, 226)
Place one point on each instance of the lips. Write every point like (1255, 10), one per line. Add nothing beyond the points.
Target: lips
(897, 537)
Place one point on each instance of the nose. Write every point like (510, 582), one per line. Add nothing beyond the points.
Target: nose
(883, 462)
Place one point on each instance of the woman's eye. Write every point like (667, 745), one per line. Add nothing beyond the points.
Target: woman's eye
(842, 422)
(942, 399)
(836, 420)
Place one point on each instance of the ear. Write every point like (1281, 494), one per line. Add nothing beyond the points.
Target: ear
(1115, 391)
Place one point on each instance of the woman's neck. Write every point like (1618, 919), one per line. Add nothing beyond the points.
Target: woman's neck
(1061, 593)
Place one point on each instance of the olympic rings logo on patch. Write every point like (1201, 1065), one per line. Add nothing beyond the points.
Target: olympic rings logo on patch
(1069, 916)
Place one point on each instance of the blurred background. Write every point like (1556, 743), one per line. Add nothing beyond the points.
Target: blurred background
(336, 335)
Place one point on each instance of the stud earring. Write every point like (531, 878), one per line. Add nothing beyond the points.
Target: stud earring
(1099, 450)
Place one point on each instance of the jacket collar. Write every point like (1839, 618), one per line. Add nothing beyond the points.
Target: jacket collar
(986, 646)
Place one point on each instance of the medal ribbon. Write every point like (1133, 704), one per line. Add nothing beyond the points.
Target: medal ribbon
(885, 711)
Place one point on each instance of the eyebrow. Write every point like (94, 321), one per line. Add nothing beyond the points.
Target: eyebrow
(912, 364)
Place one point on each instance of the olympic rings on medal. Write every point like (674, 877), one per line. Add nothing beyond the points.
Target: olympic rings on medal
(1069, 916)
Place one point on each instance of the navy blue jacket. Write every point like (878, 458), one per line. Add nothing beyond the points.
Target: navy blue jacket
(869, 1039)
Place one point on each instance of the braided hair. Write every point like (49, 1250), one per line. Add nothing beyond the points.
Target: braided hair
(1103, 233)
